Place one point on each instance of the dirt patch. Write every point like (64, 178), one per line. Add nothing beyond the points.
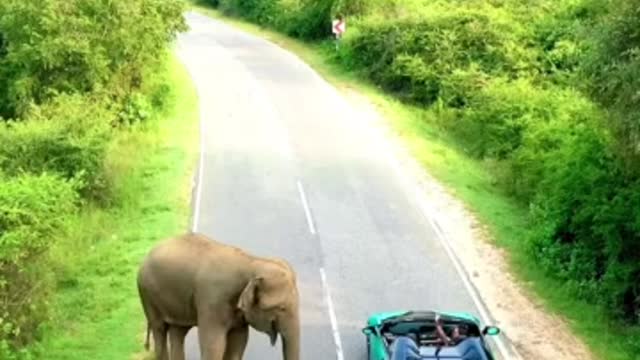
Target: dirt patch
(535, 333)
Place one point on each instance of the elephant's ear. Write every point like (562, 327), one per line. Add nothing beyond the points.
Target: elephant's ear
(249, 296)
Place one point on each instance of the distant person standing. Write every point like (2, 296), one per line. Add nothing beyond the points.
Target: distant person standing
(338, 26)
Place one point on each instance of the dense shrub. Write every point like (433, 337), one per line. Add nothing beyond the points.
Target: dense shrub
(416, 57)
(613, 65)
(558, 35)
(56, 46)
(548, 133)
(68, 136)
(500, 113)
(33, 213)
(586, 220)
(264, 12)
(354, 7)
(311, 21)
(71, 74)
(307, 19)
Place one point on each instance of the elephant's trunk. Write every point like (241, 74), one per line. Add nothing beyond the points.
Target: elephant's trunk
(290, 333)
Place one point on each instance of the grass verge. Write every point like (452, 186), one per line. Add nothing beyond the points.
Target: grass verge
(472, 182)
(97, 311)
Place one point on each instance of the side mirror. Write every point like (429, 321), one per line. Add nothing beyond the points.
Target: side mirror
(491, 330)
(367, 330)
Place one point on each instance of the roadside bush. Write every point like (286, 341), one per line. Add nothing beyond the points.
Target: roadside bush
(311, 21)
(522, 127)
(72, 73)
(415, 57)
(354, 7)
(612, 63)
(68, 136)
(263, 12)
(135, 108)
(33, 213)
(497, 115)
(585, 215)
(559, 35)
(548, 134)
(80, 46)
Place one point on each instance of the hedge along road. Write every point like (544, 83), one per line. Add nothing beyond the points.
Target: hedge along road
(287, 170)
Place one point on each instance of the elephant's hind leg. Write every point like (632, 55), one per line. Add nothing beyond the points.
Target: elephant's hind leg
(236, 343)
(176, 341)
(159, 331)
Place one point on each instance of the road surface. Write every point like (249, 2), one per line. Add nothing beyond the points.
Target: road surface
(286, 171)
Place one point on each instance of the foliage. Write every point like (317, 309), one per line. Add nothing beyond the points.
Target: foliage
(261, 11)
(33, 213)
(312, 21)
(613, 65)
(308, 19)
(586, 217)
(55, 46)
(73, 75)
(67, 136)
(419, 59)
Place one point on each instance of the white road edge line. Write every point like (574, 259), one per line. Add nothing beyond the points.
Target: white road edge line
(200, 176)
(332, 315)
(467, 284)
(307, 211)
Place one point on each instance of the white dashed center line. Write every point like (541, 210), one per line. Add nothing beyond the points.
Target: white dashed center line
(332, 315)
(307, 211)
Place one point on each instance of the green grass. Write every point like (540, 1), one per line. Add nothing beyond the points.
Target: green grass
(97, 311)
(471, 181)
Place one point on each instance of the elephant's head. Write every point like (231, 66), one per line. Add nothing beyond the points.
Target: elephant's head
(269, 303)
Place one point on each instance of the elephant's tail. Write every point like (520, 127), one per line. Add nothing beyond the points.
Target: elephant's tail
(146, 342)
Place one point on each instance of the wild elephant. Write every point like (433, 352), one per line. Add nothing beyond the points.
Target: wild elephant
(192, 280)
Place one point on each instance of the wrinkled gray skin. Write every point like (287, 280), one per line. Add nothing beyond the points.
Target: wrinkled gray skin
(192, 280)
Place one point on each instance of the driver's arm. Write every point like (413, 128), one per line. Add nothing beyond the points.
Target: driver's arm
(440, 331)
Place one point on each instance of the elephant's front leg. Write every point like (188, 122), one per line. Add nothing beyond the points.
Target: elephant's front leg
(213, 341)
(236, 343)
(176, 341)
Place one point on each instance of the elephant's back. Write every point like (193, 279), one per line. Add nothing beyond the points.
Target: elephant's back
(188, 247)
(192, 254)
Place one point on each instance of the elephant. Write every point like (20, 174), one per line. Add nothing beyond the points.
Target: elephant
(192, 280)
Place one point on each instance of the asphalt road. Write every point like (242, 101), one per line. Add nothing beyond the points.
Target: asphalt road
(285, 171)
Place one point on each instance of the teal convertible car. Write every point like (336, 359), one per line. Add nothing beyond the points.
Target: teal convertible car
(405, 335)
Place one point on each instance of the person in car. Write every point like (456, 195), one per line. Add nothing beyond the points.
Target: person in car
(459, 333)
